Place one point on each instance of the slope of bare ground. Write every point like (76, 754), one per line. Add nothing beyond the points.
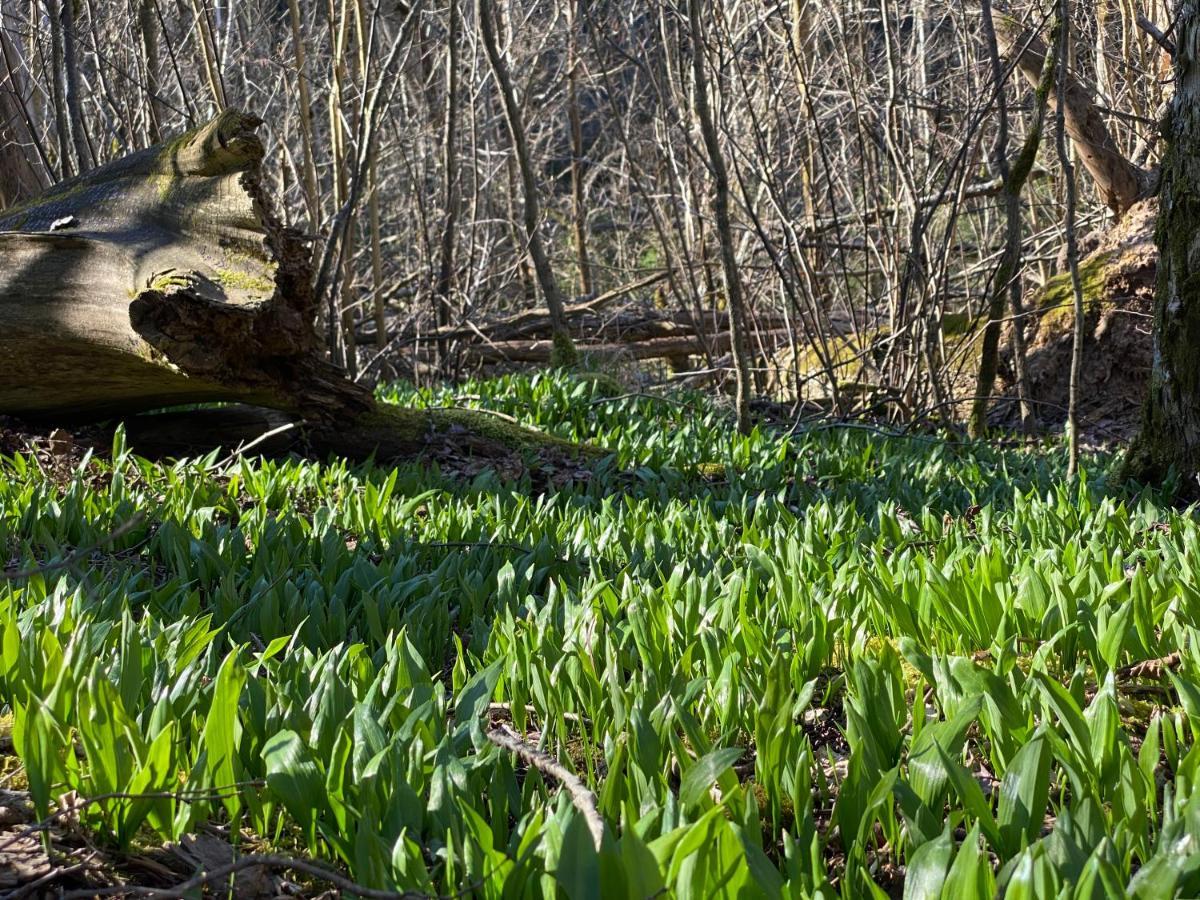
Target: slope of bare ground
(1118, 279)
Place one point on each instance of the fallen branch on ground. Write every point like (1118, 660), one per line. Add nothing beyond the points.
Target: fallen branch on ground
(1152, 668)
(581, 795)
(250, 861)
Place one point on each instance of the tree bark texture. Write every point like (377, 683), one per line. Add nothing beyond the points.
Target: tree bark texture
(1170, 436)
(160, 279)
(1119, 182)
(164, 279)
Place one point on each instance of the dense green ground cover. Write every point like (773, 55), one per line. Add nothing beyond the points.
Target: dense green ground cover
(852, 662)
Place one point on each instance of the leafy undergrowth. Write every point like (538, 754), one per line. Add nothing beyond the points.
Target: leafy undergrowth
(846, 665)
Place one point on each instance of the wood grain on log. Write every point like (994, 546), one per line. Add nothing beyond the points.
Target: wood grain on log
(161, 278)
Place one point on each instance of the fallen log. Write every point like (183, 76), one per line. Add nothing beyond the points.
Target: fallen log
(630, 326)
(653, 348)
(164, 278)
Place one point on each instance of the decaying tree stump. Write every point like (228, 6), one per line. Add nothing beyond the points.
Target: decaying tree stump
(1118, 277)
(165, 278)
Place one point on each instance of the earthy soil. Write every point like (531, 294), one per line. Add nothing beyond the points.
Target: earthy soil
(1118, 279)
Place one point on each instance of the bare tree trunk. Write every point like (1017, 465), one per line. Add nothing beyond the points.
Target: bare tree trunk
(83, 152)
(148, 35)
(579, 209)
(312, 196)
(208, 52)
(21, 174)
(720, 175)
(374, 224)
(1170, 435)
(564, 346)
(58, 89)
(341, 310)
(1119, 181)
(444, 283)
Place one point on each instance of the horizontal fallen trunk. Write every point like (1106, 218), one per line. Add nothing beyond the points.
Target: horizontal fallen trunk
(160, 279)
(165, 278)
(387, 432)
(653, 348)
(627, 327)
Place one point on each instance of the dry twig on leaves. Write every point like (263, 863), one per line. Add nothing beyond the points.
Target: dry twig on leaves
(581, 795)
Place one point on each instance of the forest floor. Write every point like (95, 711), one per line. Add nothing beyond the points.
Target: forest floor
(830, 660)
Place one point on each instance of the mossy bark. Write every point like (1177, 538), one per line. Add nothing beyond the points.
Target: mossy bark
(159, 279)
(1118, 181)
(1170, 435)
(164, 279)
(1006, 284)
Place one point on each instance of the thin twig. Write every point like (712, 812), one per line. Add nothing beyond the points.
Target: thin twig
(79, 555)
(243, 449)
(54, 874)
(581, 795)
(250, 861)
(84, 802)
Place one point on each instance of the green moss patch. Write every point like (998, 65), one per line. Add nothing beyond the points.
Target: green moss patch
(1057, 300)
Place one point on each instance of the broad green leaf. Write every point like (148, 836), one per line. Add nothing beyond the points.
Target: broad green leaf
(704, 772)
(970, 876)
(223, 730)
(925, 872)
(578, 870)
(1024, 791)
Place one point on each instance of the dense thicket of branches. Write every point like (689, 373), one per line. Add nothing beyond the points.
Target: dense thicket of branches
(865, 191)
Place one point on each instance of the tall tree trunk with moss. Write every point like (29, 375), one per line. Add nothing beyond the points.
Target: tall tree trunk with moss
(1068, 169)
(565, 354)
(1006, 284)
(1119, 182)
(1170, 435)
(720, 177)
